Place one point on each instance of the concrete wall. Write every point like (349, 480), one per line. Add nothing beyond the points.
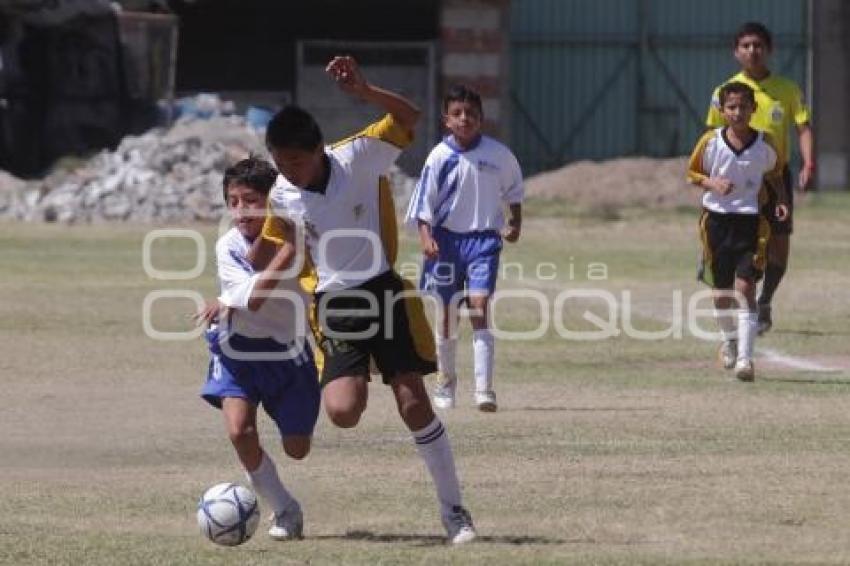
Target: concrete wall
(830, 86)
(405, 67)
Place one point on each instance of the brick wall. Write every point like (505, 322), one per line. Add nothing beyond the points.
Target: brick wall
(474, 43)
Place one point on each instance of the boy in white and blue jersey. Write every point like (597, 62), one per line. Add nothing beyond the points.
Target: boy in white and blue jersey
(458, 205)
(258, 347)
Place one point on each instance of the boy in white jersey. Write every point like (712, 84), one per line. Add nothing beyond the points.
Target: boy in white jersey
(259, 354)
(467, 181)
(364, 309)
(733, 164)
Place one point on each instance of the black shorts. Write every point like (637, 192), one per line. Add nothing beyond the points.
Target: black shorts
(734, 245)
(375, 320)
(769, 209)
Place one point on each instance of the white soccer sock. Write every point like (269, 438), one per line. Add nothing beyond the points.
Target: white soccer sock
(747, 328)
(267, 484)
(446, 354)
(484, 348)
(433, 445)
(727, 323)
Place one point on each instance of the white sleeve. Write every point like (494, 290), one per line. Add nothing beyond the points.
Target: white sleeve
(372, 156)
(276, 200)
(236, 276)
(421, 205)
(513, 190)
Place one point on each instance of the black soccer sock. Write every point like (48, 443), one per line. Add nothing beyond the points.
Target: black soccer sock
(772, 276)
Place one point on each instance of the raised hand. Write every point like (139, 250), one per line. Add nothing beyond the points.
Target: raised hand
(347, 74)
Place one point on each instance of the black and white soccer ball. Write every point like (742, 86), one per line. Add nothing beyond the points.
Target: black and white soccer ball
(228, 514)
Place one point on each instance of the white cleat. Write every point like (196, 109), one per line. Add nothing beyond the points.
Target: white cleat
(745, 371)
(444, 392)
(288, 525)
(486, 401)
(727, 355)
(459, 527)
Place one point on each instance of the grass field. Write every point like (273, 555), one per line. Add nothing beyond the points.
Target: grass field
(616, 451)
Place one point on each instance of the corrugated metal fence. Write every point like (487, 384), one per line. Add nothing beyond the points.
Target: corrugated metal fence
(596, 79)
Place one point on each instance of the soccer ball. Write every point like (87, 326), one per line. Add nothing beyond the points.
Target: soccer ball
(228, 514)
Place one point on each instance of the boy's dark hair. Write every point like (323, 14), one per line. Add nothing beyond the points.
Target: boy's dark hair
(293, 128)
(252, 172)
(754, 28)
(736, 87)
(462, 93)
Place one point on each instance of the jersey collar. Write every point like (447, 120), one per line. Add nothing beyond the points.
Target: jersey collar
(743, 149)
(449, 140)
(323, 184)
(748, 80)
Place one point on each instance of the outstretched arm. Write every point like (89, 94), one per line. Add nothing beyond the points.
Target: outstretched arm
(347, 74)
(212, 311)
(271, 275)
(261, 253)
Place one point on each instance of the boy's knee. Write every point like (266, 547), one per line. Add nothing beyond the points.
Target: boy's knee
(242, 435)
(296, 448)
(344, 419)
(345, 400)
(345, 414)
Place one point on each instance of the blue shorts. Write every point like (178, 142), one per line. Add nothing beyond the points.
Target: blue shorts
(466, 262)
(285, 381)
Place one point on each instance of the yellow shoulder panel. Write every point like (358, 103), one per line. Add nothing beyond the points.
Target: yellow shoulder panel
(696, 172)
(389, 224)
(270, 230)
(386, 129)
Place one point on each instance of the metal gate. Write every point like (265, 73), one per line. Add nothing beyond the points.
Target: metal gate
(596, 79)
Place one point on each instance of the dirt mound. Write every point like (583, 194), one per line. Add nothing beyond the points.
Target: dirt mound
(625, 182)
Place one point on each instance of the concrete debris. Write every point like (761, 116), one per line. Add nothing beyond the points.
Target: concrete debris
(171, 175)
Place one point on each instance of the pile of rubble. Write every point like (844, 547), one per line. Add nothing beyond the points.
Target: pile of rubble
(171, 175)
(163, 175)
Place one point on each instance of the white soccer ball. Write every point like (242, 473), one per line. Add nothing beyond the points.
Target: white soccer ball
(228, 514)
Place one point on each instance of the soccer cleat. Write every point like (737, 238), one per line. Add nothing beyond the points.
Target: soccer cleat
(728, 354)
(288, 525)
(444, 392)
(745, 371)
(486, 401)
(765, 321)
(458, 523)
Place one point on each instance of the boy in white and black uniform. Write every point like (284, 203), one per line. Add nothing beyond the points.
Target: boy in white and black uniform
(364, 309)
(732, 165)
(458, 206)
